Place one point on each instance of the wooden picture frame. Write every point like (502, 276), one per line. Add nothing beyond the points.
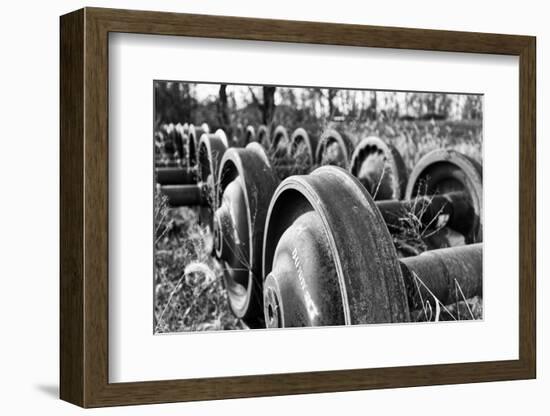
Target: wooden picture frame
(84, 207)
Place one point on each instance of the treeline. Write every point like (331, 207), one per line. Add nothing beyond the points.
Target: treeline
(229, 105)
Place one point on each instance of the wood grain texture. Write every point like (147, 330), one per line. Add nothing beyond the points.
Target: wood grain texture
(84, 206)
(71, 208)
(527, 208)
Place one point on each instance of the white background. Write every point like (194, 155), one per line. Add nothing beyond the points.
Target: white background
(136, 355)
(30, 193)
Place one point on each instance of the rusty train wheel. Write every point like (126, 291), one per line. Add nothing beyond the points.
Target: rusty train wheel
(195, 134)
(380, 168)
(170, 145)
(334, 149)
(180, 139)
(280, 143)
(445, 171)
(250, 135)
(245, 186)
(260, 152)
(211, 150)
(321, 267)
(302, 149)
(264, 137)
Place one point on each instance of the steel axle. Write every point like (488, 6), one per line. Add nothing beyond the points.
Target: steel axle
(176, 175)
(324, 268)
(184, 195)
(196, 186)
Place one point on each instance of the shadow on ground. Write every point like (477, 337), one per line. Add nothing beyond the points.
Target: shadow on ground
(51, 390)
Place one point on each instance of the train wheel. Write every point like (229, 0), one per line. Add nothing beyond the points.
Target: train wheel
(245, 185)
(210, 153)
(322, 267)
(446, 171)
(334, 149)
(380, 168)
(302, 150)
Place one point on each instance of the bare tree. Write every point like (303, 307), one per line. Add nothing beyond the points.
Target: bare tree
(267, 107)
(223, 111)
(173, 102)
(331, 94)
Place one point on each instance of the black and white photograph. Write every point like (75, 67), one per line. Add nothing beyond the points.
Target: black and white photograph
(308, 206)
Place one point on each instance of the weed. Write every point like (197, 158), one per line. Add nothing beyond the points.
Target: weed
(189, 294)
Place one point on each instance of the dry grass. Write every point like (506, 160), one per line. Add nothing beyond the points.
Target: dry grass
(189, 294)
(414, 139)
(433, 310)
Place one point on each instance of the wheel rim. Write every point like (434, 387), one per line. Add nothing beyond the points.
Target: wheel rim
(180, 140)
(334, 149)
(263, 137)
(446, 170)
(361, 281)
(280, 143)
(195, 134)
(211, 150)
(246, 184)
(250, 135)
(380, 168)
(260, 151)
(302, 150)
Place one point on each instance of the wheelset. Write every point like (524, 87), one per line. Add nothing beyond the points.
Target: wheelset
(321, 268)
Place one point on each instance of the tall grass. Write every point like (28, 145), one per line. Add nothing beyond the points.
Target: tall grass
(414, 139)
(189, 294)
